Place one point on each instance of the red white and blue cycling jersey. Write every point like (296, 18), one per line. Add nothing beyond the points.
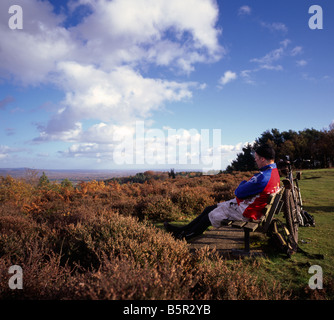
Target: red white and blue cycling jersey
(252, 195)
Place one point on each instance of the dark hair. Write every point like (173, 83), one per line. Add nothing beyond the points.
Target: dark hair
(265, 151)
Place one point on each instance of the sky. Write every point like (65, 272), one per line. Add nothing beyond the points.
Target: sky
(158, 84)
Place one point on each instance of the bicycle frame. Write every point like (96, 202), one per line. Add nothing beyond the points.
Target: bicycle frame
(294, 186)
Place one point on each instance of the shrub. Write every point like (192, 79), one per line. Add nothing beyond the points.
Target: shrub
(159, 208)
(97, 242)
(192, 201)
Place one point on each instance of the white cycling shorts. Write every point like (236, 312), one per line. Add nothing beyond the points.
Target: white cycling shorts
(228, 210)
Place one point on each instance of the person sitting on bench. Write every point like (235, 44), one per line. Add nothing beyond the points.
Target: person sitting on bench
(250, 199)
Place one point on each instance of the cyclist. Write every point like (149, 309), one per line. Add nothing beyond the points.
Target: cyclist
(250, 198)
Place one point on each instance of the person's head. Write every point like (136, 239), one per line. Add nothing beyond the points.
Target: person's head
(264, 155)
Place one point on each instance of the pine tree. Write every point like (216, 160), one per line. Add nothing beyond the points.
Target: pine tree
(43, 180)
(66, 183)
(244, 162)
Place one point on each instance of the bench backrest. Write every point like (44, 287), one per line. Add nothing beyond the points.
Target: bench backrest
(273, 207)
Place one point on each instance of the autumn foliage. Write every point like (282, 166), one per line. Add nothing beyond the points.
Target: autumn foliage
(98, 241)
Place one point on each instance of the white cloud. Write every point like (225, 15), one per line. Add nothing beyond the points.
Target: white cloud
(119, 96)
(301, 63)
(308, 77)
(246, 75)
(6, 151)
(275, 26)
(244, 10)
(270, 57)
(296, 51)
(29, 55)
(227, 77)
(100, 62)
(128, 145)
(285, 43)
(134, 31)
(61, 128)
(6, 101)
(269, 60)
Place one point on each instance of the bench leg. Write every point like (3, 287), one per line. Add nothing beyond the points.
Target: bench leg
(246, 239)
(246, 250)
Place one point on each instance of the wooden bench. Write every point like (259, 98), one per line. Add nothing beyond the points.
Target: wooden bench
(273, 207)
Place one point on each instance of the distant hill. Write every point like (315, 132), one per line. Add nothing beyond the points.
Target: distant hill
(121, 176)
(72, 175)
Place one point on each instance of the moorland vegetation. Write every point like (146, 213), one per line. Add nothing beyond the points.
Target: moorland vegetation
(100, 240)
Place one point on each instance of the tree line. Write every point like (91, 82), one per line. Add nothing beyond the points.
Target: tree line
(309, 148)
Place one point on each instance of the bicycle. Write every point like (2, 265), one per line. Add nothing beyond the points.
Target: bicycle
(292, 199)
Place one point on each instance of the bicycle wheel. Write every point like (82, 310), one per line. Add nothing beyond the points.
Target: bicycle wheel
(290, 213)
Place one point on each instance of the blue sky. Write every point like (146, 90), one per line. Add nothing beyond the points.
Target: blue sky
(80, 77)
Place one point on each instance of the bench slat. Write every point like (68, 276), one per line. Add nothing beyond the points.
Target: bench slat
(238, 224)
(252, 226)
(226, 222)
(273, 206)
(272, 197)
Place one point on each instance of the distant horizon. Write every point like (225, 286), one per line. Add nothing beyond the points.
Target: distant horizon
(78, 175)
(99, 170)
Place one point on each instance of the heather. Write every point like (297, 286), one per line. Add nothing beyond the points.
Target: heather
(102, 240)
(98, 241)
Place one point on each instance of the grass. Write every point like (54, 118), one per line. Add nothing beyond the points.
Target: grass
(317, 188)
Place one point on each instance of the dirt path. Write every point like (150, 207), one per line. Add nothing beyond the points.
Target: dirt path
(223, 239)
